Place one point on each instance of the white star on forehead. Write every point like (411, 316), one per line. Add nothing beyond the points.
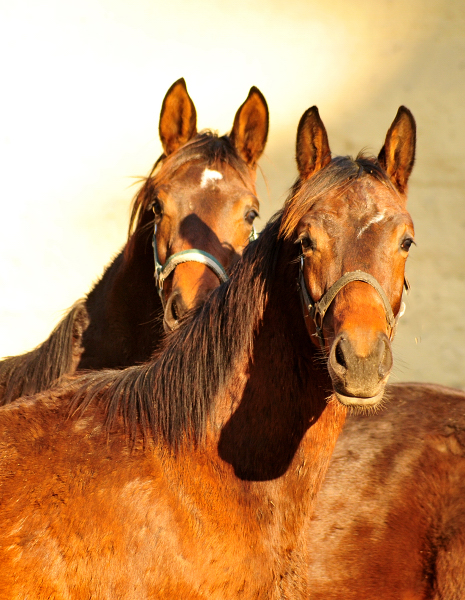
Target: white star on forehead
(209, 177)
(376, 219)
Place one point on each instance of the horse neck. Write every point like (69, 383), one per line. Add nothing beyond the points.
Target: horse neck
(124, 309)
(281, 431)
(268, 442)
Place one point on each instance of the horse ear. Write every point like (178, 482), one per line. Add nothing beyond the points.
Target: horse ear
(250, 128)
(398, 153)
(178, 118)
(312, 147)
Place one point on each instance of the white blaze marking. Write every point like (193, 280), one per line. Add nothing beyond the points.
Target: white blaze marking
(376, 219)
(209, 177)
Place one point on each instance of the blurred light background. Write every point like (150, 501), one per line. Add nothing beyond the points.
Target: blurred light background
(82, 86)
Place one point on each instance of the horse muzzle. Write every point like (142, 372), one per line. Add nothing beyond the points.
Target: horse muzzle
(359, 380)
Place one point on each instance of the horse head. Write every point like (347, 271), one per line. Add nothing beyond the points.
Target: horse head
(354, 233)
(201, 199)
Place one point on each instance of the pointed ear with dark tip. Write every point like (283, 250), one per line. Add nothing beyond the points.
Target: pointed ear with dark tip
(250, 128)
(312, 147)
(398, 153)
(178, 118)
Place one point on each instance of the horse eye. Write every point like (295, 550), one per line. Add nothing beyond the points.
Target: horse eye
(251, 216)
(157, 208)
(406, 244)
(306, 242)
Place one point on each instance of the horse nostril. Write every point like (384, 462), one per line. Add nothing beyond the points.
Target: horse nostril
(385, 364)
(174, 310)
(339, 355)
(338, 359)
(171, 315)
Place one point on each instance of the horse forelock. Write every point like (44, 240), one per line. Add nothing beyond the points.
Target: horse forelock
(342, 173)
(172, 397)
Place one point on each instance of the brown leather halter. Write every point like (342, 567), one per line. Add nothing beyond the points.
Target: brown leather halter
(317, 310)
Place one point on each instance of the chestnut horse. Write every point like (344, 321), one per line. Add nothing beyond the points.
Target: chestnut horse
(193, 476)
(389, 523)
(197, 208)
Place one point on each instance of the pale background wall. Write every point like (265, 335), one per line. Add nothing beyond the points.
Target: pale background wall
(82, 86)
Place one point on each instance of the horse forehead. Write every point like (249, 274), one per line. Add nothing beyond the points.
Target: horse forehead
(206, 178)
(355, 212)
(368, 201)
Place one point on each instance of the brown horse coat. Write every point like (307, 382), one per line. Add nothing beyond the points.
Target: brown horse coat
(389, 522)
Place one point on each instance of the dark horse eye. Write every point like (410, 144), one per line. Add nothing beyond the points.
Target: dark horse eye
(306, 242)
(406, 244)
(157, 208)
(251, 216)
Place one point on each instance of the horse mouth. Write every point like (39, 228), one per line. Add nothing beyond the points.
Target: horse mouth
(359, 401)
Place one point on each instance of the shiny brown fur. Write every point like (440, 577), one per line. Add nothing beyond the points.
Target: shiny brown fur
(390, 517)
(120, 322)
(192, 476)
(189, 477)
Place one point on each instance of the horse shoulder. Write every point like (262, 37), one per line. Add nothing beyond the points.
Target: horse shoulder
(67, 493)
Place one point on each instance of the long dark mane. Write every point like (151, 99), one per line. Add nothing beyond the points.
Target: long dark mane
(173, 396)
(36, 370)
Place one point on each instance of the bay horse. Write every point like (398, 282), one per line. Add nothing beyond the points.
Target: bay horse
(389, 523)
(193, 476)
(192, 217)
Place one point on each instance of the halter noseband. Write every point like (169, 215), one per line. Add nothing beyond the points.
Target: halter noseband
(192, 255)
(162, 272)
(317, 310)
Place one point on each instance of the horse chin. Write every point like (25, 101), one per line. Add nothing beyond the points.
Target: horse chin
(358, 402)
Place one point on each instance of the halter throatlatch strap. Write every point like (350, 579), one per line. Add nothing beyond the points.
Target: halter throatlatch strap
(317, 310)
(193, 255)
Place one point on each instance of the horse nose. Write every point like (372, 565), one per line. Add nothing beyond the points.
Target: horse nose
(175, 310)
(360, 376)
